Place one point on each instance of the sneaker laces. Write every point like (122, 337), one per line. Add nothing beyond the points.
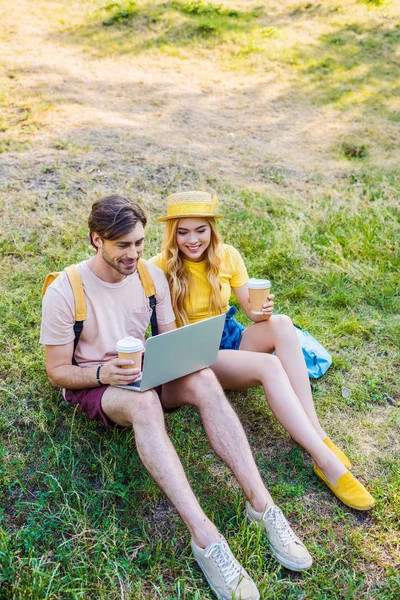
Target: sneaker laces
(225, 561)
(275, 516)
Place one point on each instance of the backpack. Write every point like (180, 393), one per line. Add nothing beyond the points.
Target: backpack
(80, 302)
(318, 360)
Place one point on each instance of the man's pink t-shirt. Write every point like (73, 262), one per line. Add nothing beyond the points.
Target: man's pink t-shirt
(114, 310)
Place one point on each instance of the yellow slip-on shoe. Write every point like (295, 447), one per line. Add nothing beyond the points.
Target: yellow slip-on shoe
(349, 490)
(340, 455)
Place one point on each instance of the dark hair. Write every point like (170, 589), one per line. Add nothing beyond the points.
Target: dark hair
(114, 216)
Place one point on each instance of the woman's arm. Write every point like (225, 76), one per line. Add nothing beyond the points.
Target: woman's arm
(242, 294)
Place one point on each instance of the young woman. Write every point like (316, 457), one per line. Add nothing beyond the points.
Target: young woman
(202, 272)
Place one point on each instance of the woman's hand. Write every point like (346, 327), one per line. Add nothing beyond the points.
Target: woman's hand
(114, 373)
(268, 308)
(242, 294)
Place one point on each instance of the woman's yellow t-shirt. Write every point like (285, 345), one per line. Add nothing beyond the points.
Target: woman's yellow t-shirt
(233, 274)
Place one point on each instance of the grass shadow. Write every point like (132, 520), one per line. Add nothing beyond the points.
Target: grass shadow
(347, 62)
(130, 27)
(352, 66)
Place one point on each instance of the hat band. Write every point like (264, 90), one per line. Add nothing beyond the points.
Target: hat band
(190, 208)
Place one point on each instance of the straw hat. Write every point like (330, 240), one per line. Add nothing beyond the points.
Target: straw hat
(191, 204)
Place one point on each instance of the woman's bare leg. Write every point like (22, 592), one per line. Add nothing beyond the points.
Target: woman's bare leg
(237, 369)
(278, 334)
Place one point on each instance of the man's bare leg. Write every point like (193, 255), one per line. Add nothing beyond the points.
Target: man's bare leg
(229, 441)
(143, 412)
(223, 429)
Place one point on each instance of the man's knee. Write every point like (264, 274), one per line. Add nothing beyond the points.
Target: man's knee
(204, 388)
(201, 380)
(144, 408)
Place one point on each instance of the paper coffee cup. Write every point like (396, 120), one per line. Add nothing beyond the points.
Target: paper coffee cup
(259, 290)
(130, 348)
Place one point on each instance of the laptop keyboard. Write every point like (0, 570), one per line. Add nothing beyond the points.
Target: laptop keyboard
(135, 384)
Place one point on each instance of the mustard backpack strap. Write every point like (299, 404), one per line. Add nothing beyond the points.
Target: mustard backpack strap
(79, 295)
(146, 278)
(150, 291)
(49, 280)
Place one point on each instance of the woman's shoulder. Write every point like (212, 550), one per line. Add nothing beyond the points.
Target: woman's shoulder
(230, 252)
(233, 265)
(159, 261)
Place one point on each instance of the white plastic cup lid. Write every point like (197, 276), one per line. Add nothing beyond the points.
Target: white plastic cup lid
(129, 344)
(258, 284)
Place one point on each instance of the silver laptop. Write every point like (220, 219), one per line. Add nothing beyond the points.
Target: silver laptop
(179, 352)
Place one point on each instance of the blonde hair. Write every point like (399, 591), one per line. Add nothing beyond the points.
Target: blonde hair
(179, 277)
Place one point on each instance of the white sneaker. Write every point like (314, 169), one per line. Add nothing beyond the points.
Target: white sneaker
(284, 543)
(226, 577)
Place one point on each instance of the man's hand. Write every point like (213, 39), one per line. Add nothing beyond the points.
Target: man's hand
(114, 373)
(63, 374)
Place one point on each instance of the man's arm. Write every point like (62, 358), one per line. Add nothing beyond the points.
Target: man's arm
(165, 328)
(63, 374)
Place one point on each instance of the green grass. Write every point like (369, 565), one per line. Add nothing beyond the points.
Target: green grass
(141, 26)
(79, 517)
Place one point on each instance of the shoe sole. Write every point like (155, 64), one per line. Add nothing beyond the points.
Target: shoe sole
(341, 500)
(212, 589)
(289, 565)
(281, 560)
(355, 507)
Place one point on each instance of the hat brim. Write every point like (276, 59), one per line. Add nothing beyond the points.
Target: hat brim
(193, 215)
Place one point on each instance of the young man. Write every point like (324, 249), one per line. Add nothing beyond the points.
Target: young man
(117, 306)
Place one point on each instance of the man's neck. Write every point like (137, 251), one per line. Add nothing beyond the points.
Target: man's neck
(103, 271)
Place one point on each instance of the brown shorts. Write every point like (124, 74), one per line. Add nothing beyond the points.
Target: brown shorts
(89, 403)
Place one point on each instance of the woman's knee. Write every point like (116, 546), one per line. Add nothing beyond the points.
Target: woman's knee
(283, 325)
(272, 360)
(269, 364)
(283, 321)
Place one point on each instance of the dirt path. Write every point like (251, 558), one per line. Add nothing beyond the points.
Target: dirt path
(174, 119)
